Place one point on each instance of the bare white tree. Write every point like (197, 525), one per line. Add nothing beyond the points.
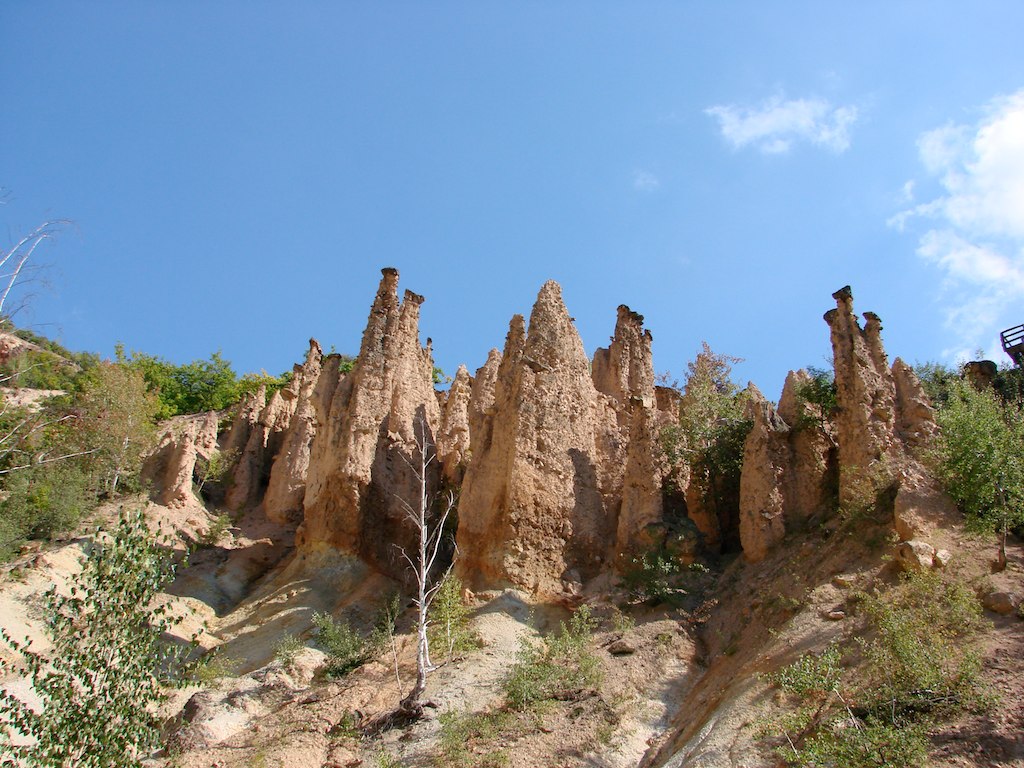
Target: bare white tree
(430, 529)
(13, 260)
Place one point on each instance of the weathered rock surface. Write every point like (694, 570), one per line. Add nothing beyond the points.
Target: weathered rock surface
(365, 450)
(481, 397)
(532, 511)
(170, 468)
(453, 437)
(287, 485)
(562, 475)
(266, 437)
(766, 458)
(866, 395)
(884, 421)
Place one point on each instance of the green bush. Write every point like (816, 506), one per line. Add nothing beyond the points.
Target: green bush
(108, 661)
(346, 649)
(819, 391)
(448, 618)
(41, 502)
(918, 668)
(560, 668)
(287, 650)
(980, 456)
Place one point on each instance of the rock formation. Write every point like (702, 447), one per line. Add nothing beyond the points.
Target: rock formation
(541, 500)
(369, 439)
(766, 459)
(264, 440)
(453, 436)
(170, 468)
(287, 486)
(884, 421)
(866, 396)
(481, 396)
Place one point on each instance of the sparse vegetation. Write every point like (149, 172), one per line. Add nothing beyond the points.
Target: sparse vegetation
(107, 664)
(448, 627)
(820, 393)
(287, 650)
(561, 667)
(346, 649)
(918, 667)
(465, 739)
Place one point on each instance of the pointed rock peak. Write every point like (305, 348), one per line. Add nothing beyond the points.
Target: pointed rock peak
(315, 353)
(516, 337)
(789, 402)
(462, 375)
(414, 298)
(552, 341)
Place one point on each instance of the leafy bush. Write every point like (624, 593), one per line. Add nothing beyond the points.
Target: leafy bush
(710, 432)
(980, 456)
(346, 649)
(448, 618)
(918, 668)
(107, 663)
(561, 667)
(40, 502)
(287, 650)
(820, 392)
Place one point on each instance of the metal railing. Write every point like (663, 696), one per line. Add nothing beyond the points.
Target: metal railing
(1013, 343)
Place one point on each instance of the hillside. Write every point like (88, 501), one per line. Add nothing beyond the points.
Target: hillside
(652, 575)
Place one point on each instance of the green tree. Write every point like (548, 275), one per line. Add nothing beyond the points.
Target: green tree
(108, 663)
(980, 458)
(711, 429)
(115, 422)
(202, 385)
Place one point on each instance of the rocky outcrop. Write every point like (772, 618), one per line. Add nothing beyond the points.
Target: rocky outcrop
(252, 471)
(624, 372)
(884, 422)
(866, 396)
(562, 475)
(453, 436)
(287, 485)
(481, 397)
(789, 467)
(170, 468)
(369, 442)
(916, 418)
(766, 459)
(532, 512)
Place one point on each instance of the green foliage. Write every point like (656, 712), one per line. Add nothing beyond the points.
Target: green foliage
(448, 619)
(980, 456)
(386, 760)
(214, 469)
(918, 668)
(937, 380)
(251, 382)
(819, 392)
(346, 649)
(41, 502)
(287, 650)
(438, 376)
(107, 664)
(649, 576)
(560, 668)
(114, 425)
(711, 429)
(202, 385)
(347, 363)
(461, 732)
(216, 531)
(214, 666)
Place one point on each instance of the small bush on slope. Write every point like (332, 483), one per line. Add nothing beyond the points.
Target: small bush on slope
(560, 668)
(918, 669)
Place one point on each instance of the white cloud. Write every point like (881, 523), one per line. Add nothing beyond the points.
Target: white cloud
(775, 125)
(976, 225)
(645, 181)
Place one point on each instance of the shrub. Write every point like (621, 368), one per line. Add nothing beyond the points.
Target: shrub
(561, 667)
(980, 457)
(346, 649)
(820, 392)
(448, 618)
(287, 650)
(107, 663)
(918, 668)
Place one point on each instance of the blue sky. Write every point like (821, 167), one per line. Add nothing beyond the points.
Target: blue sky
(238, 172)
